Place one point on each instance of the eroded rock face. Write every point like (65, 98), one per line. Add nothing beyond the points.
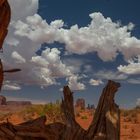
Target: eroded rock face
(80, 103)
(2, 100)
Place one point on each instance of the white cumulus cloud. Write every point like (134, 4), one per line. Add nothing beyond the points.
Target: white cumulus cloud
(102, 35)
(94, 82)
(20, 50)
(18, 58)
(10, 86)
(74, 84)
(133, 67)
(110, 75)
(28, 31)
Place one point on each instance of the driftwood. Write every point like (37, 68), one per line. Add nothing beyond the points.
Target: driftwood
(105, 125)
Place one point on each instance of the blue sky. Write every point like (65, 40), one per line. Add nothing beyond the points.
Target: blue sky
(90, 63)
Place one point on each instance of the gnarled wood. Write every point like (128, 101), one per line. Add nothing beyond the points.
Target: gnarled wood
(105, 125)
(73, 130)
(1, 74)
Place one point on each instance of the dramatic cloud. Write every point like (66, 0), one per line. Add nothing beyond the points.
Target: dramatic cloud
(28, 31)
(110, 75)
(102, 35)
(10, 86)
(74, 84)
(18, 58)
(74, 63)
(23, 8)
(49, 66)
(132, 68)
(20, 52)
(94, 82)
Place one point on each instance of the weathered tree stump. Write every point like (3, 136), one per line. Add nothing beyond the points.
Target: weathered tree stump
(105, 125)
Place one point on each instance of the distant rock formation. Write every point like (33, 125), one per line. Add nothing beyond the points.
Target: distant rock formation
(80, 103)
(89, 106)
(18, 103)
(2, 100)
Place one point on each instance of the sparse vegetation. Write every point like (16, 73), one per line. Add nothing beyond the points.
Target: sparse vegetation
(51, 110)
(84, 117)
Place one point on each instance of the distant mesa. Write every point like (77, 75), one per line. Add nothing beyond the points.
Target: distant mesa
(18, 103)
(80, 104)
(13, 103)
(90, 106)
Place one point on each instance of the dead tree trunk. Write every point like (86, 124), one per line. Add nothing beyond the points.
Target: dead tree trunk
(106, 122)
(105, 125)
(73, 129)
(1, 74)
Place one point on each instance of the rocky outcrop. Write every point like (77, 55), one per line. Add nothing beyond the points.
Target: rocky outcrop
(80, 103)
(2, 100)
(105, 125)
(90, 106)
(18, 103)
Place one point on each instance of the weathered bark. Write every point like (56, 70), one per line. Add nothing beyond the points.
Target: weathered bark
(106, 123)
(73, 130)
(5, 15)
(1, 74)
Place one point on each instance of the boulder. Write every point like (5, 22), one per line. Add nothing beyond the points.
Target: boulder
(2, 100)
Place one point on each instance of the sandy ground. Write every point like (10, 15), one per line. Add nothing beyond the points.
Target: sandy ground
(130, 126)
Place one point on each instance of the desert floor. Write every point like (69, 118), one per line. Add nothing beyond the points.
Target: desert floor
(130, 119)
